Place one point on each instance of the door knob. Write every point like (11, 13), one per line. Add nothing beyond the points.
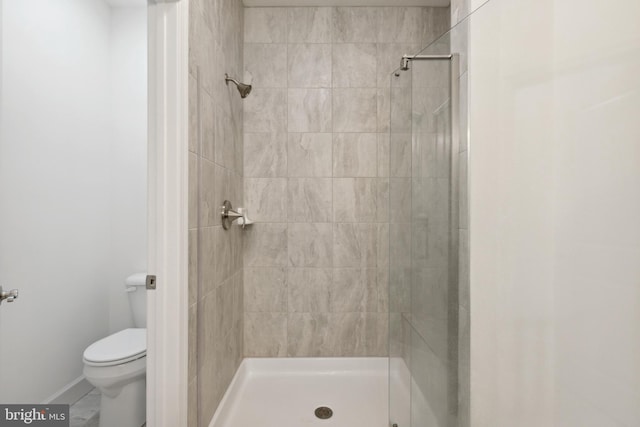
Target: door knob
(9, 296)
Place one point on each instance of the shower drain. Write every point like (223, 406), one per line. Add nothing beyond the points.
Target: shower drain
(323, 412)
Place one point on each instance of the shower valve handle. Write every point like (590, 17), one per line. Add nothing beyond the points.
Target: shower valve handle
(9, 296)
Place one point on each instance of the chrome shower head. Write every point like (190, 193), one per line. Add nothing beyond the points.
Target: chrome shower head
(242, 88)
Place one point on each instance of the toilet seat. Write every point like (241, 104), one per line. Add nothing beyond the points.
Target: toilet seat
(116, 349)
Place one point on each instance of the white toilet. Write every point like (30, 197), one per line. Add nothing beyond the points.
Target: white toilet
(117, 365)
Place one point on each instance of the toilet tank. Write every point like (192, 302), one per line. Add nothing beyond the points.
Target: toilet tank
(135, 286)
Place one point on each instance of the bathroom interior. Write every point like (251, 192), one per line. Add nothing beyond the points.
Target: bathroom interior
(398, 212)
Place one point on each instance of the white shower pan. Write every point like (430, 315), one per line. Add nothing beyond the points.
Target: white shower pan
(285, 392)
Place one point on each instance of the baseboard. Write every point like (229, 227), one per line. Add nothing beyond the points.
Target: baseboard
(70, 393)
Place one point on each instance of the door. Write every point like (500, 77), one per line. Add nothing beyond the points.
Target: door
(73, 161)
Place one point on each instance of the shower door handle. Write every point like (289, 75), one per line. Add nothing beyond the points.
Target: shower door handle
(9, 296)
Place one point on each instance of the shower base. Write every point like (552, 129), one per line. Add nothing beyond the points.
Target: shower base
(285, 392)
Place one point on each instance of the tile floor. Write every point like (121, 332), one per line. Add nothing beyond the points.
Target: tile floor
(86, 411)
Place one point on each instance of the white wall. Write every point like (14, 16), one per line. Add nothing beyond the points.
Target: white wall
(129, 155)
(554, 237)
(59, 192)
(596, 220)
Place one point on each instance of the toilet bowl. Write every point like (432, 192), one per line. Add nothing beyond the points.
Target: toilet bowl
(117, 365)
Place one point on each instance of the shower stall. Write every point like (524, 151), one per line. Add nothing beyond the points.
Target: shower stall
(358, 182)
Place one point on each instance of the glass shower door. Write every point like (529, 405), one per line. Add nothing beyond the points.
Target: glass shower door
(424, 244)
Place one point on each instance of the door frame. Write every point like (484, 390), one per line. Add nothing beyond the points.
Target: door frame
(167, 313)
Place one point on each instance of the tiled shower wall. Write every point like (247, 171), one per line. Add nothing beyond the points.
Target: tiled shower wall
(317, 168)
(459, 10)
(215, 174)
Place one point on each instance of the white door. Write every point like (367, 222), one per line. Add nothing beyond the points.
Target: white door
(73, 191)
(54, 194)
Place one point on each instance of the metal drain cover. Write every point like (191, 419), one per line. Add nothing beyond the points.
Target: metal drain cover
(323, 412)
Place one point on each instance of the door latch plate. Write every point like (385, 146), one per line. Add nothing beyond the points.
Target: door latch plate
(151, 282)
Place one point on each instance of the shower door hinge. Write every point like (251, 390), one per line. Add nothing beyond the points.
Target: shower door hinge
(151, 282)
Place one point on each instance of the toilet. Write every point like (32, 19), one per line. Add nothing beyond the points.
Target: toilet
(117, 365)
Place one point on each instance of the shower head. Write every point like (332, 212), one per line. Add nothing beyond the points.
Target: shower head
(242, 88)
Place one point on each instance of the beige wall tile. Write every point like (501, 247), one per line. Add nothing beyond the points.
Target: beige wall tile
(265, 65)
(354, 290)
(309, 110)
(399, 289)
(309, 199)
(228, 253)
(355, 200)
(355, 154)
(309, 154)
(400, 199)
(265, 245)
(265, 155)
(402, 25)
(193, 266)
(400, 245)
(326, 334)
(314, 334)
(206, 261)
(384, 109)
(355, 110)
(266, 199)
(265, 290)
(383, 288)
(355, 245)
(355, 24)
(309, 289)
(354, 65)
(400, 155)
(193, 190)
(193, 343)
(265, 334)
(201, 56)
(194, 132)
(401, 110)
(310, 245)
(309, 24)
(214, 183)
(208, 125)
(382, 200)
(265, 110)
(383, 155)
(265, 25)
(309, 65)
(192, 398)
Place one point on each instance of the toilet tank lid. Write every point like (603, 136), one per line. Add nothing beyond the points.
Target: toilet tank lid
(137, 279)
(121, 345)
